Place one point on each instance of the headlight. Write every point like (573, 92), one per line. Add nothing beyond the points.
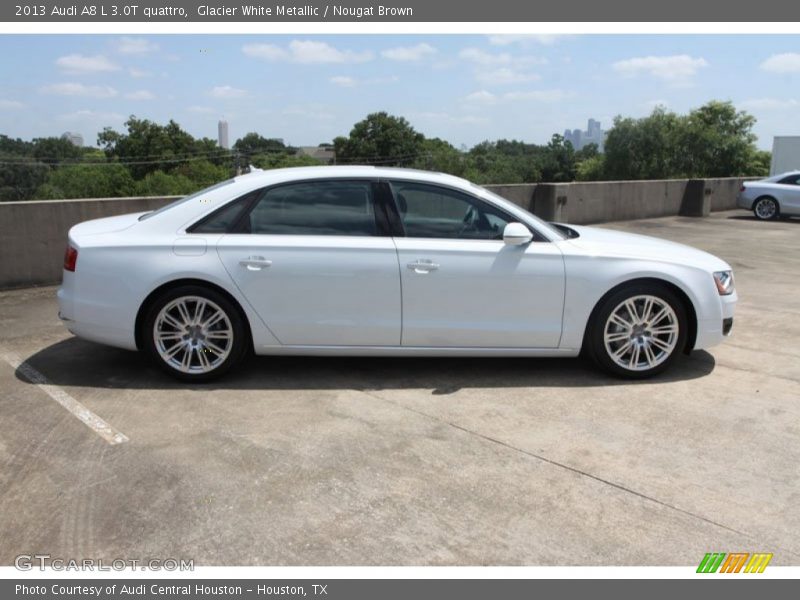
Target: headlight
(724, 281)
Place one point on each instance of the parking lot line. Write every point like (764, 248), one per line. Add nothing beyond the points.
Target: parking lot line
(83, 414)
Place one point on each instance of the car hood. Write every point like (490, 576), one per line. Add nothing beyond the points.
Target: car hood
(106, 225)
(596, 241)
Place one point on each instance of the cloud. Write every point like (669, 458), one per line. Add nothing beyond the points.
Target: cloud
(766, 104)
(502, 68)
(79, 89)
(129, 45)
(486, 97)
(675, 69)
(409, 53)
(481, 57)
(78, 63)
(137, 73)
(343, 81)
(544, 39)
(481, 97)
(305, 52)
(10, 104)
(504, 76)
(140, 95)
(447, 117)
(349, 82)
(538, 95)
(200, 109)
(789, 62)
(226, 92)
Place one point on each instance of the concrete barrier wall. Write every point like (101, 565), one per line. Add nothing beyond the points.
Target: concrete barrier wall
(604, 201)
(33, 234)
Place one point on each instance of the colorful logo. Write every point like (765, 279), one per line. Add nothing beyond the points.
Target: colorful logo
(735, 562)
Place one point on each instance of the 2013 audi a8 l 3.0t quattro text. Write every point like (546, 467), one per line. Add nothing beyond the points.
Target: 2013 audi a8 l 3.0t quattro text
(372, 261)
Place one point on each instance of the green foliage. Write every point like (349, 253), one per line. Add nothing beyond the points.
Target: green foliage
(148, 147)
(159, 183)
(253, 143)
(591, 169)
(87, 181)
(380, 139)
(280, 161)
(714, 140)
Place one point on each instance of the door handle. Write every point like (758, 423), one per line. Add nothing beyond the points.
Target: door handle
(255, 263)
(423, 266)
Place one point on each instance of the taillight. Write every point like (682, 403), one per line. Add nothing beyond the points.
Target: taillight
(743, 188)
(70, 258)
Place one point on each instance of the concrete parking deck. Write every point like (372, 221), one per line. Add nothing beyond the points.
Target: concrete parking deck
(416, 461)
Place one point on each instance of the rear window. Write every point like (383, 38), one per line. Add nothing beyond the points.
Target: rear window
(315, 208)
(180, 201)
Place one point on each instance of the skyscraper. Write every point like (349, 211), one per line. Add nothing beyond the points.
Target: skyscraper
(222, 129)
(593, 135)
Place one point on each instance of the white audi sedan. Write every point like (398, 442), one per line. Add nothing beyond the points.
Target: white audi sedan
(773, 197)
(365, 261)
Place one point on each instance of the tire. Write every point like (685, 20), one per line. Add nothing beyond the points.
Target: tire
(766, 208)
(637, 347)
(194, 333)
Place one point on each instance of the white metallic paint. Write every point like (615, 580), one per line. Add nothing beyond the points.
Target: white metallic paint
(357, 296)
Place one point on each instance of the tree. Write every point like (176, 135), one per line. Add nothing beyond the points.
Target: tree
(148, 147)
(643, 148)
(380, 139)
(716, 141)
(253, 143)
(54, 150)
(87, 181)
(558, 160)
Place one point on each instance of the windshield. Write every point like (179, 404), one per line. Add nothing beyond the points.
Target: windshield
(180, 201)
(552, 231)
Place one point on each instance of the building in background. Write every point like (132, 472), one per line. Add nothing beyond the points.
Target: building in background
(222, 130)
(785, 154)
(593, 135)
(325, 154)
(76, 139)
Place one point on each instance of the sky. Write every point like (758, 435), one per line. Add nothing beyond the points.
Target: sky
(308, 89)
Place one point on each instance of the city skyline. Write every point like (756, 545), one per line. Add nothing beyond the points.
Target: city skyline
(308, 89)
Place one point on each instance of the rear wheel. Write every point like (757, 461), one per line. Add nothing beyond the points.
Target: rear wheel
(638, 331)
(766, 209)
(194, 333)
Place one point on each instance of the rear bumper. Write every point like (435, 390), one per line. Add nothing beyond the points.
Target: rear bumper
(83, 317)
(744, 202)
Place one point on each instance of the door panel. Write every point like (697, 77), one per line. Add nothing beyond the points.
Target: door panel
(319, 290)
(480, 293)
(790, 199)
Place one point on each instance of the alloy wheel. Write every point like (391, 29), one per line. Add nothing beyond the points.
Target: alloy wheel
(641, 333)
(193, 335)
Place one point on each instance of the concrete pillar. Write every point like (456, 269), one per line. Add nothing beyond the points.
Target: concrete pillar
(696, 201)
(550, 201)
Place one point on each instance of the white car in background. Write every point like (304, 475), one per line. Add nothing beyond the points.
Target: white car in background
(773, 197)
(365, 261)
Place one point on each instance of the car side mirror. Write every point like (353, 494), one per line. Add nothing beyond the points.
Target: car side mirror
(516, 234)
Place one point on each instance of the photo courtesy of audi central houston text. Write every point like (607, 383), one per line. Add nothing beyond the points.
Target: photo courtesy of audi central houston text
(419, 300)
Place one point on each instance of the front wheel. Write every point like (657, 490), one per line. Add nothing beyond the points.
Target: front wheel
(766, 209)
(638, 331)
(194, 333)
